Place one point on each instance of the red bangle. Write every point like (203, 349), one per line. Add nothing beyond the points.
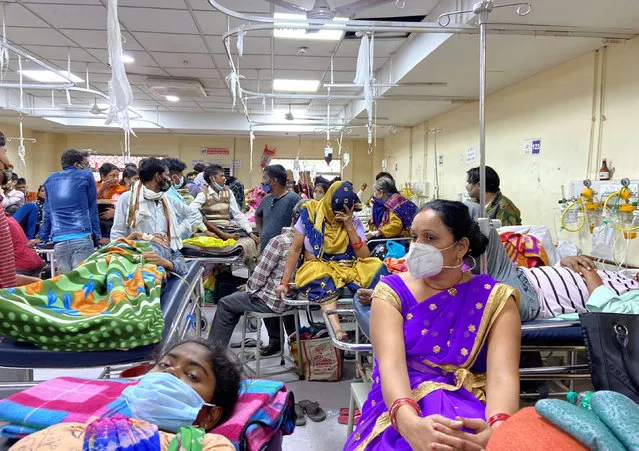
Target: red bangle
(359, 244)
(497, 417)
(397, 404)
(286, 284)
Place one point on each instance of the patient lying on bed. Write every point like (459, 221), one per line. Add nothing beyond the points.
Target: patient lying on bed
(550, 291)
(192, 387)
(110, 301)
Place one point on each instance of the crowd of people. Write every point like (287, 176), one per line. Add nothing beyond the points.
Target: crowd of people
(436, 328)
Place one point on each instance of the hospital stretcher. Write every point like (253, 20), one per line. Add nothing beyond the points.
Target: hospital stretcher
(180, 302)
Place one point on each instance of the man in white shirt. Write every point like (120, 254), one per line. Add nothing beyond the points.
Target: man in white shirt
(147, 209)
(218, 203)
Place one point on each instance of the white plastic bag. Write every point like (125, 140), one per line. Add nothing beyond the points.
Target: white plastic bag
(603, 241)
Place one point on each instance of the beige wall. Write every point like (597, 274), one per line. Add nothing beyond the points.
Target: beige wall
(43, 157)
(556, 106)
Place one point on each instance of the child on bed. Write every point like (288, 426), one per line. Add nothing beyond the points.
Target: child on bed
(192, 387)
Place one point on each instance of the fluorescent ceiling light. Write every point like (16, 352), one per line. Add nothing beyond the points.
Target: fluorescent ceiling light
(46, 76)
(127, 59)
(172, 98)
(90, 122)
(283, 85)
(300, 33)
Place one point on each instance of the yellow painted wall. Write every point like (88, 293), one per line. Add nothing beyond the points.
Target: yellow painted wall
(556, 106)
(43, 157)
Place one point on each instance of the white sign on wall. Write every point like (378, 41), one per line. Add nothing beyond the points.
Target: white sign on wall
(527, 146)
(471, 155)
(237, 164)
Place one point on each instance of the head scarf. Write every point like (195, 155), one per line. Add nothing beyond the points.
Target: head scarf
(396, 203)
(326, 235)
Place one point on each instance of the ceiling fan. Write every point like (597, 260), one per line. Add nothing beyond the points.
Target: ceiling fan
(321, 9)
(95, 109)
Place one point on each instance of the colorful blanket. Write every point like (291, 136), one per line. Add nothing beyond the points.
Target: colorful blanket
(263, 408)
(524, 250)
(111, 301)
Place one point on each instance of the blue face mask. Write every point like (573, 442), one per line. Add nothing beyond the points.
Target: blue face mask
(164, 400)
(266, 188)
(218, 186)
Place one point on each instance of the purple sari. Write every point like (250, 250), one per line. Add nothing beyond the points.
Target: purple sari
(445, 339)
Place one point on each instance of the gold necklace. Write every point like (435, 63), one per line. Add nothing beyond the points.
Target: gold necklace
(451, 289)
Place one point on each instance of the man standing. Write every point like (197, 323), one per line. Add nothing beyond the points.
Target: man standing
(70, 214)
(276, 208)
(498, 206)
(147, 209)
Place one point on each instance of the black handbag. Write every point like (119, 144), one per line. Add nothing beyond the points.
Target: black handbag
(612, 344)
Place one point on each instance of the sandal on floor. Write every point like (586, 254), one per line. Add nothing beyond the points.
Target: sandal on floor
(343, 418)
(248, 356)
(248, 343)
(313, 410)
(299, 413)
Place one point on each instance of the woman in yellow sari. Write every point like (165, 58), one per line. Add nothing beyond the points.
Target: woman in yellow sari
(335, 253)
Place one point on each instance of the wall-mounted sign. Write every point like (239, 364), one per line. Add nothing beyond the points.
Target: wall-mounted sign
(536, 146)
(237, 164)
(471, 155)
(214, 151)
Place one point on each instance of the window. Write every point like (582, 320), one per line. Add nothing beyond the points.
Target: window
(328, 171)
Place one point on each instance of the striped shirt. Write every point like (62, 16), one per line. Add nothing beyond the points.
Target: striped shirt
(561, 290)
(7, 260)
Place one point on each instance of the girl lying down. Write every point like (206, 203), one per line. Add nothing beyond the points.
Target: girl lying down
(192, 387)
(111, 301)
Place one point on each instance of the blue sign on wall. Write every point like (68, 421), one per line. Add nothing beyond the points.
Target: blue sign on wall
(536, 146)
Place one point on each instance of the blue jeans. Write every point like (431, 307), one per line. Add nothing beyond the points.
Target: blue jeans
(27, 217)
(69, 254)
(363, 315)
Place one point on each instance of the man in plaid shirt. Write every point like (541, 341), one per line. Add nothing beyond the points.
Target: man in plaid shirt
(258, 295)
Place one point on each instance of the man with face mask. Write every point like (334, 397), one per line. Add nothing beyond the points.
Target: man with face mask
(276, 208)
(147, 208)
(180, 189)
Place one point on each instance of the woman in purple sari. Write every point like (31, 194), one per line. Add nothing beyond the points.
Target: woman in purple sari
(446, 344)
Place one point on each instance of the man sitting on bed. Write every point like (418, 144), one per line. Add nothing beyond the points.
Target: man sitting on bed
(258, 295)
(147, 209)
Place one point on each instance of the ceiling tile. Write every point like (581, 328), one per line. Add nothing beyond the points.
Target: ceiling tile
(157, 4)
(246, 6)
(19, 16)
(60, 53)
(155, 42)
(183, 60)
(98, 39)
(291, 47)
(157, 20)
(212, 22)
(21, 36)
(85, 17)
(193, 73)
(215, 44)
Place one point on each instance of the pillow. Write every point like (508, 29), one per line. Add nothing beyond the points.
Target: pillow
(620, 414)
(580, 423)
(527, 431)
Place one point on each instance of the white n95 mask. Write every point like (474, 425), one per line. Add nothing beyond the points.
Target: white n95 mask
(424, 260)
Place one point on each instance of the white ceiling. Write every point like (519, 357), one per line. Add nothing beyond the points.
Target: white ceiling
(182, 38)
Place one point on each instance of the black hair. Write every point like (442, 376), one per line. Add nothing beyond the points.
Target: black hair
(230, 179)
(131, 165)
(39, 188)
(492, 179)
(107, 168)
(277, 172)
(211, 171)
(2, 140)
(192, 174)
(175, 165)
(129, 172)
(456, 218)
(21, 181)
(322, 185)
(72, 156)
(386, 175)
(149, 167)
(199, 167)
(228, 374)
(14, 177)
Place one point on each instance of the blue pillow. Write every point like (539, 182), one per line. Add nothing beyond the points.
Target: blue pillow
(620, 414)
(582, 424)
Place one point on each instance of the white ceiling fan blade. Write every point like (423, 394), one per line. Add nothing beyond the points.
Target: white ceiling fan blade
(355, 7)
(289, 6)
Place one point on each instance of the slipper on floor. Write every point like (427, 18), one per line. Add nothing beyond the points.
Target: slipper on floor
(246, 357)
(301, 417)
(313, 410)
(248, 343)
(343, 419)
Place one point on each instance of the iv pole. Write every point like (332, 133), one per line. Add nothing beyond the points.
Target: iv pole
(482, 10)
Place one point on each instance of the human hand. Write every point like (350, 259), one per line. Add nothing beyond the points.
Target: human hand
(231, 236)
(282, 290)
(482, 429)
(155, 259)
(365, 296)
(370, 235)
(103, 241)
(255, 238)
(345, 216)
(364, 186)
(33, 243)
(161, 239)
(433, 433)
(107, 214)
(241, 288)
(578, 264)
(109, 183)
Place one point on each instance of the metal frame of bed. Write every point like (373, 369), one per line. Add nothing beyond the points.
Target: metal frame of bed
(183, 301)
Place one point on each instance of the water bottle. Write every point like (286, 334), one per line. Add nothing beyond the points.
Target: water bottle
(581, 399)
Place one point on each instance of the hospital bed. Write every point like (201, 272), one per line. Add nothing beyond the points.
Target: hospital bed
(180, 303)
